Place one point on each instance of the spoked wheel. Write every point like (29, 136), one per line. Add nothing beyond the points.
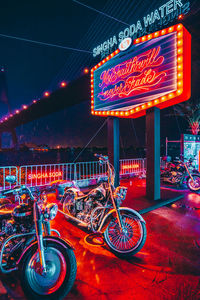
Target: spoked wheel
(194, 185)
(60, 275)
(130, 240)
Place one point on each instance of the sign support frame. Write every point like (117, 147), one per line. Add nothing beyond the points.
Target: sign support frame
(114, 146)
(153, 153)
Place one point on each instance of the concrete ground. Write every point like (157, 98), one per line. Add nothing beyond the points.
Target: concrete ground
(167, 267)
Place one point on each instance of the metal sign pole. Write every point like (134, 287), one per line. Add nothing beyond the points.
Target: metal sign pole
(114, 146)
(153, 153)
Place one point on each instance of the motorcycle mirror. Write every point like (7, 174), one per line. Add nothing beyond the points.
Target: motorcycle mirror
(11, 179)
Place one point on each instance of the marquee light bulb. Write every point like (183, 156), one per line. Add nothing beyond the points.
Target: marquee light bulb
(179, 27)
(46, 94)
(63, 84)
(86, 71)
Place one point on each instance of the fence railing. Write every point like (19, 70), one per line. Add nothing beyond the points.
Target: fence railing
(38, 175)
(5, 171)
(131, 166)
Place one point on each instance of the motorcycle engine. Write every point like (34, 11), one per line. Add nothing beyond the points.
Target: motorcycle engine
(85, 205)
(8, 227)
(23, 217)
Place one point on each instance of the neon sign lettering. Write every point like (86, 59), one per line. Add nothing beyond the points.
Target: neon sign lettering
(137, 64)
(162, 15)
(118, 82)
(125, 167)
(45, 175)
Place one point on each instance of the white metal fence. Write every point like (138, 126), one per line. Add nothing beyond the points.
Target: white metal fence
(132, 166)
(38, 175)
(5, 171)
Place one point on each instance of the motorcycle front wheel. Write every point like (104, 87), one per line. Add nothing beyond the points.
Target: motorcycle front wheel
(194, 185)
(60, 275)
(130, 240)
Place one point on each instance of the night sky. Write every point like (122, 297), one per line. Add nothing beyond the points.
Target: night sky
(31, 69)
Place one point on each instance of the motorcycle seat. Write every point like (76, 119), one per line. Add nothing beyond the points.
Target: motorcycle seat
(6, 211)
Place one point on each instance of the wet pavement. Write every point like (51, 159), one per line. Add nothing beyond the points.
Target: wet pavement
(167, 267)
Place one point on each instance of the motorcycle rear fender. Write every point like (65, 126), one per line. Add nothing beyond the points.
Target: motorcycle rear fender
(61, 241)
(112, 212)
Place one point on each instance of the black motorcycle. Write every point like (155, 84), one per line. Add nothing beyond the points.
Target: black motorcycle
(180, 172)
(100, 211)
(47, 263)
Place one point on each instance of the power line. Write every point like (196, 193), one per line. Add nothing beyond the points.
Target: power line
(43, 43)
(100, 12)
(91, 139)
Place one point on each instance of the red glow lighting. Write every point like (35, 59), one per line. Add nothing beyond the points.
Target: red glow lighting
(180, 17)
(86, 71)
(25, 106)
(17, 111)
(34, 101)
(46, 94)
(63, 84)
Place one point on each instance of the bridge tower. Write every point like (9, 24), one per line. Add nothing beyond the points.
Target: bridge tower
(4, 102)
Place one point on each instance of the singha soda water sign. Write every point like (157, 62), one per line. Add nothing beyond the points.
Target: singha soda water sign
(154, 71)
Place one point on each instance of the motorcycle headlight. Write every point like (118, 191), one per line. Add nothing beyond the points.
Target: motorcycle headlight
(51, 211)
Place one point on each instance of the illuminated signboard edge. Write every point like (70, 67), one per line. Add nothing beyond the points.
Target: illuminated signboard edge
(183, 91)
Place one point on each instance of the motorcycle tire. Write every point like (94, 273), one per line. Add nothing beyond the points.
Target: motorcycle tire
(130, 242)
(194, 187)
(61, 272)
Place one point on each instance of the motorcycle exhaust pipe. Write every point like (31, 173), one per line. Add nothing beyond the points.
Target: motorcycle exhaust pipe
(73, 218)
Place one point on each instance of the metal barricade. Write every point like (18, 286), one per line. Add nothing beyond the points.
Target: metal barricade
(37, 175)
(5, 171)
(89, 170)
(132, 166)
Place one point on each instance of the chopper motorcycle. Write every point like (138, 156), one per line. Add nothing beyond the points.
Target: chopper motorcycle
(123, 228)
(180, 172)
(47, 263)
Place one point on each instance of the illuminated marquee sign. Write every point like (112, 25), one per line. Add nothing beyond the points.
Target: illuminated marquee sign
(154, 71)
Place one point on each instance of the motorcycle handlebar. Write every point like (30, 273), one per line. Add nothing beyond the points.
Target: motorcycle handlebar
(18, 189)
(15, 189)
(100, 156)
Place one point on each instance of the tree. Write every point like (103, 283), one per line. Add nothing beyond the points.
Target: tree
(190, 110)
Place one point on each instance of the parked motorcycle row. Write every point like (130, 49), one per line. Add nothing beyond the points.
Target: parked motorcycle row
(45, 261)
